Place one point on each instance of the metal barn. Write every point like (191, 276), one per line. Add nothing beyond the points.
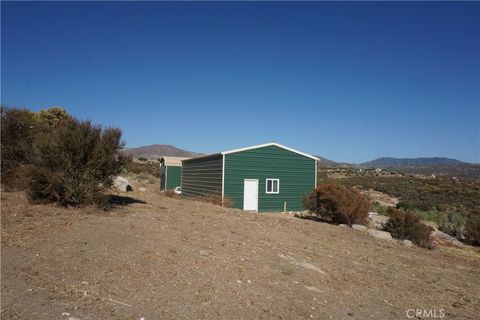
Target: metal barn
(170, 172)
(267, 177)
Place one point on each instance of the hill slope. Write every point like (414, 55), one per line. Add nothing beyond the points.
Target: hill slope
(155, 151)
(168, 258)
(442, 167)
(387, 162)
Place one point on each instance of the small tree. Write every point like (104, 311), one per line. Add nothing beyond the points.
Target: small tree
(338, 204)
(472, 230)
(19, 129)
(75, 163)
(406, 225)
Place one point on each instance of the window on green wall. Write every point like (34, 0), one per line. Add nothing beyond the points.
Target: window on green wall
(272, 185)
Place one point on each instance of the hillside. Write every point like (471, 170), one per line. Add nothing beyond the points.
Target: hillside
(156, 151)
(388, 162)
(169, 258)
(440, 167)
(324, 162)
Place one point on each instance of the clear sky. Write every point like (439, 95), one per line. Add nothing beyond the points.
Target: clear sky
(347, 81)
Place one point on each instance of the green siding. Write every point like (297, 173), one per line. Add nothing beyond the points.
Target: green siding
(203, 176)
(170, 177)
(296, 174)
(174, 177)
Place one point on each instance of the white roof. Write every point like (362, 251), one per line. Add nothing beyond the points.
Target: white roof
(267, 145)
(172, 161)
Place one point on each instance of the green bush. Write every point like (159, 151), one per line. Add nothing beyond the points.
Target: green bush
(453, 225)
(75, 163)
(472, 230)
(337, 204)
(407, 225)
(379, 208)
(19, 129)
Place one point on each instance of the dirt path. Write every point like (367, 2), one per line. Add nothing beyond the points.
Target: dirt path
(174, 258)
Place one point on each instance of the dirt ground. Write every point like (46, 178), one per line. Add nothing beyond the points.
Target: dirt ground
(166, 258)
(380, 197)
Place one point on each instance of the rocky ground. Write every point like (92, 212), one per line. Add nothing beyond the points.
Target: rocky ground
(157, 257)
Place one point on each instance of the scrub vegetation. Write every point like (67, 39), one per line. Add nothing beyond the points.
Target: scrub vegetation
(452, 204)
(406, 225)
(337, 204)
(58, 158)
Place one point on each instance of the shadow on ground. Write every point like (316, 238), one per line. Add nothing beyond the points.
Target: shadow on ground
(117, 200)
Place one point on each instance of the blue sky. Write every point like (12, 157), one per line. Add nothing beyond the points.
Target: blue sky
(347, 81)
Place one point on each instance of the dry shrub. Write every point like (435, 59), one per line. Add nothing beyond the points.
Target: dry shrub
(75, 163)
(337, 204)
(472, 230)
(57, 157)
(216, 199)
(19, 129)
(407, 225)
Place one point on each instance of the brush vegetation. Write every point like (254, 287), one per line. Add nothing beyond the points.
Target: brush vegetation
(58, 158)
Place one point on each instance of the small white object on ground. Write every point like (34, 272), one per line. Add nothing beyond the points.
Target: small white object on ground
(122, 184)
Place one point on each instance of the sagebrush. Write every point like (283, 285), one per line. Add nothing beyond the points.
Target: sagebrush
(472, 230)
(69, 161)
(338, 204)
(406, 225)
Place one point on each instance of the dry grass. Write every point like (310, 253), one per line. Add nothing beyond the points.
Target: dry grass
(176, 258)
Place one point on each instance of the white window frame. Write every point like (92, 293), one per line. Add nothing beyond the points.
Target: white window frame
(266, 186)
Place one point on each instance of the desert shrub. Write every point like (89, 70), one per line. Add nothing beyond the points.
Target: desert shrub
(434, 215)
(51, 117)
(75, 163)
(453, 224)
(216, 199)
(19, 129)
(472, 230)
(379, 208)
(141, 167)
(338, 204)
(407, 225)
(424, 194)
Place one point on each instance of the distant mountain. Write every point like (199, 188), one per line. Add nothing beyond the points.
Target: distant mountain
(440, 167)
(324, 162)
(156, 151)
(387, 162)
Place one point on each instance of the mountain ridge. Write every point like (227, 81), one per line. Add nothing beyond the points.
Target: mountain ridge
(392, 162)
(155, 151)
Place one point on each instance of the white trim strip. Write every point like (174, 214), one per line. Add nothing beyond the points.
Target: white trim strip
(316, 172)
(270, 144)
(166, 178)
(223, 177)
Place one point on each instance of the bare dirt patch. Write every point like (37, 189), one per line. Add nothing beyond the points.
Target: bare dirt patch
(380, 197)
(161, 258)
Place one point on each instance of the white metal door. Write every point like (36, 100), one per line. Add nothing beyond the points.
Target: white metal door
(250, 194)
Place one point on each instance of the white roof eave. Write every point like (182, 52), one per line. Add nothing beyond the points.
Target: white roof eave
(267, 145)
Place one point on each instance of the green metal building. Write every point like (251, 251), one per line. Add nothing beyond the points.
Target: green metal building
(170, 172)
(267, 177)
